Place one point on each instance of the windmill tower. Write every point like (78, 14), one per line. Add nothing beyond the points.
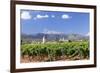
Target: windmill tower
(43, 40)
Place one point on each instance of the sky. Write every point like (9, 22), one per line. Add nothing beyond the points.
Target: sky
(33, 22)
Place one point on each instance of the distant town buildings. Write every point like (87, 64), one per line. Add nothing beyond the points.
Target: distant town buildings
(63, 39)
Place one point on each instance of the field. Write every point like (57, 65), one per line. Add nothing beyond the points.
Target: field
(54, 51)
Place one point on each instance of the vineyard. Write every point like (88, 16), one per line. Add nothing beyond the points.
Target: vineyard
(54, 51)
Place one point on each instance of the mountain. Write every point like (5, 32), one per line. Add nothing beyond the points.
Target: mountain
(51, 37)
(77, 37)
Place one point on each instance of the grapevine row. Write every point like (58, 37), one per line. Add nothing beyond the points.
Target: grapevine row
(52, 50)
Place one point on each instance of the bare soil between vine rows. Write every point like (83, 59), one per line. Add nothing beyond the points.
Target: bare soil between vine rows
(44, 58)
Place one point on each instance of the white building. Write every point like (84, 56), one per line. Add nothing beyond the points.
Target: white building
(63, 39)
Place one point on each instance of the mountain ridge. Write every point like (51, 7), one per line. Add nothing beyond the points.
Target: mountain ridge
(50, 37)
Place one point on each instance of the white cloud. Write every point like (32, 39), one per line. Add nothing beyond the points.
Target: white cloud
(65, 16)
(38, 16)
(52, 16)
(25, 15)
(88, 34)
(51, 31)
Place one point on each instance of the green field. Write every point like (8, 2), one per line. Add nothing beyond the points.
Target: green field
(54, 51)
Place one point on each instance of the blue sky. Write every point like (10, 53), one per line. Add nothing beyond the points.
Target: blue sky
(54, 22)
